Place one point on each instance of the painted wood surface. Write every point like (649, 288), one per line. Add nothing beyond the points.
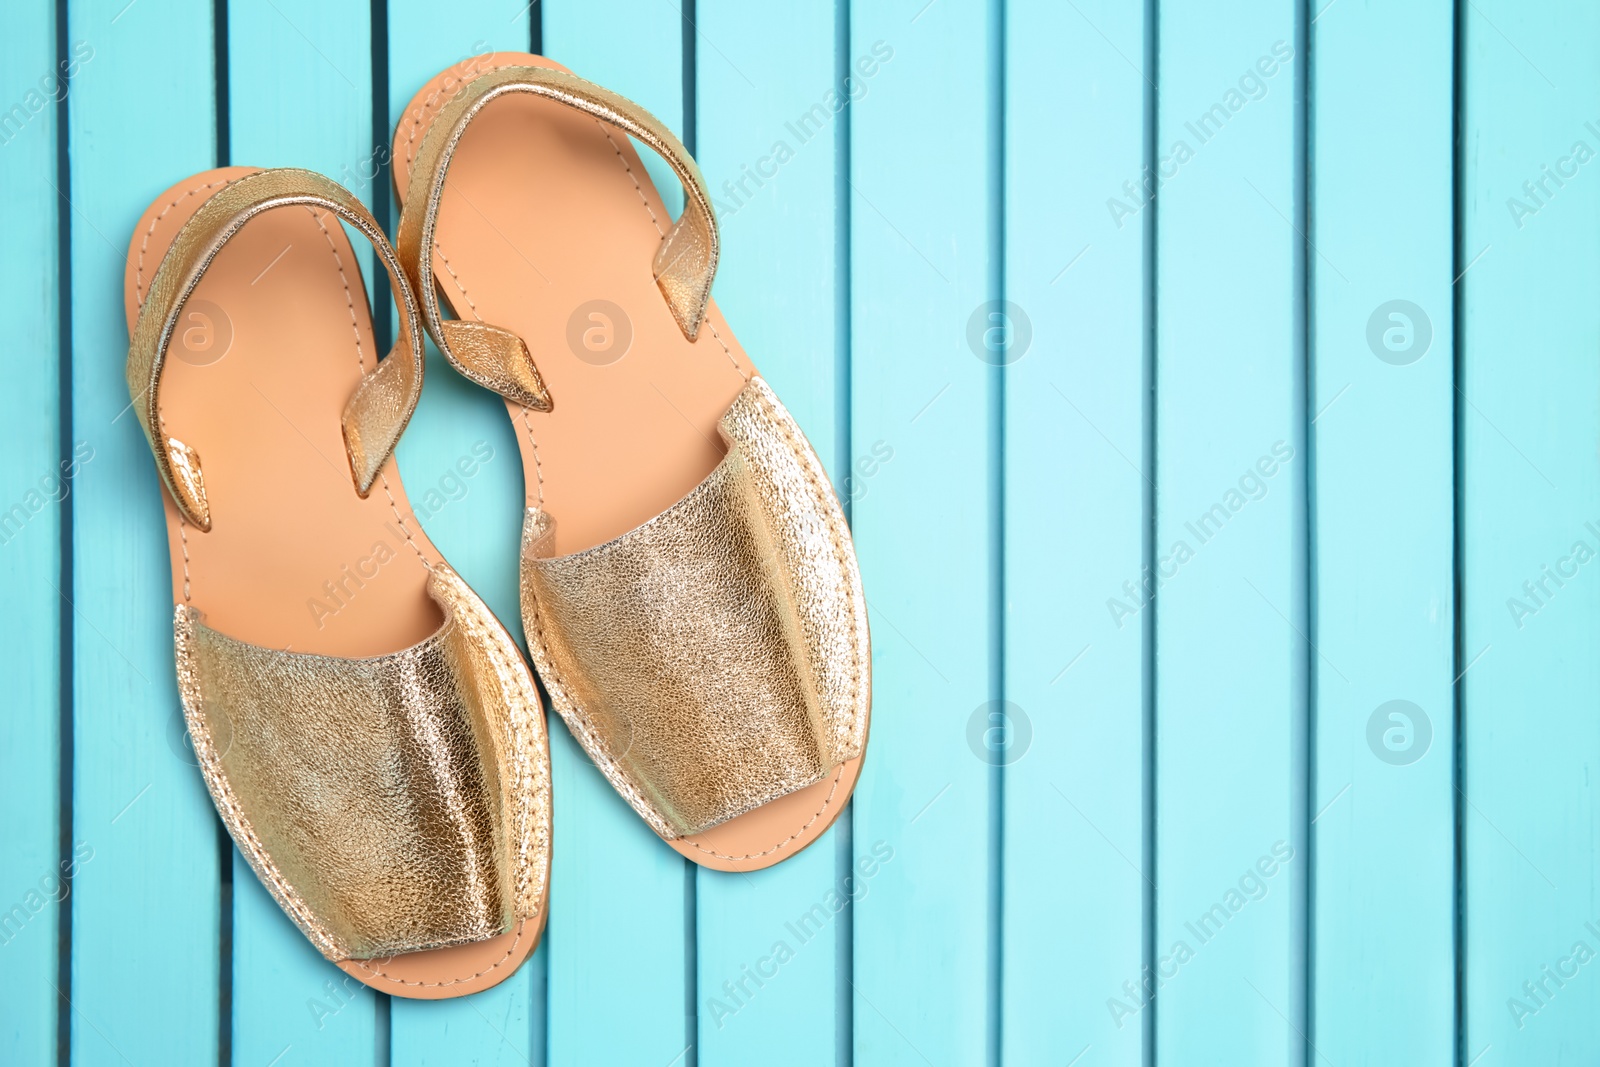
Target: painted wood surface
(475, 522)
(1381, 456)
(288, 1000)
(1230, 553)
(36, 491)
(146, 939)
(1528, 418)
(922, 259)
(1072, 739)
(774, 165)
(1213, 393)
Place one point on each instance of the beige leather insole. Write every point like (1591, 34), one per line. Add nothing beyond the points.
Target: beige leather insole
(272, 343)
(548, 218)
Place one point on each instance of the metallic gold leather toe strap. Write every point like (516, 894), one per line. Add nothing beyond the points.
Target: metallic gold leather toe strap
(685, 262)
(382, 403)
(391, 804)
(715, 658)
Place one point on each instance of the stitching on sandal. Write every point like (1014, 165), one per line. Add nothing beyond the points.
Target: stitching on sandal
(362, 964)
(439, 248)
(221, 789)
(361, 368)
(633, 177)
(728, 351)
(833, 533)
(827, 802)
(497, 653)
(533, 444)
(785, 427)
(579, 725)
(596, 750)
(436, 103)
(657, 224)
(138, 270)
(788, 427)
(183, 539)
(552, 680)
(525, 816)
(491, 647)
(538, 464)
(138, 299)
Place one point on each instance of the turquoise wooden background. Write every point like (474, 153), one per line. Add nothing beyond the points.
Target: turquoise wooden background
(1210, 503)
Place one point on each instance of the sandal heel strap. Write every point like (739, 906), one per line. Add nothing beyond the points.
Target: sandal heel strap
(685, 261)
(382, 404)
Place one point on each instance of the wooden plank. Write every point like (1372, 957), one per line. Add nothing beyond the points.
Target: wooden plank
(476, 523)
(1529, 418)
(759, 71)
(921, 180)
(1384, 865)
(1229, 544)
(300, 95)
(1075, 435)
(621, 899)
(32, 486)
(145, 911)
(478, 528)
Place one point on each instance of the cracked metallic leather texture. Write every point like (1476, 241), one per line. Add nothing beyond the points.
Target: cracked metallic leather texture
(391, 804)
(382, 403)
(716, 657)
(685, 262)
(497, 359)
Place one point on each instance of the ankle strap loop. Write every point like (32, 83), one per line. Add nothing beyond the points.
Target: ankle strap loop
(381, 405)
(684, 265)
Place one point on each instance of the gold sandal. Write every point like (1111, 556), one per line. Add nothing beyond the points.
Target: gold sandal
(395, 803)
(693, 607)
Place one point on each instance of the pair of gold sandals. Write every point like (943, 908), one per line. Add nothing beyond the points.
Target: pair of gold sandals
(371, 735)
